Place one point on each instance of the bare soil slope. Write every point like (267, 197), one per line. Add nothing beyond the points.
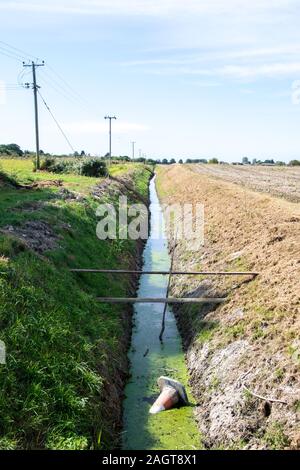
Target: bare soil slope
(250, 344)
(278, 181)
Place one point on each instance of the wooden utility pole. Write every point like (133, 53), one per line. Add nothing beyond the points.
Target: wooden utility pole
(35, 88)
(133, 152)
(110, 119)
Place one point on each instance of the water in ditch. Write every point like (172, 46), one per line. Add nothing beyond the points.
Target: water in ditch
(176, 428)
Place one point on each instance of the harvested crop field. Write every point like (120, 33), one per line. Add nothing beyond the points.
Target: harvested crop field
(249, 345)
(277, 181)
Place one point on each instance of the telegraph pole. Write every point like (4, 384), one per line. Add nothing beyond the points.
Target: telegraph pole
(133, 144)
(110, 119)
(35, 88)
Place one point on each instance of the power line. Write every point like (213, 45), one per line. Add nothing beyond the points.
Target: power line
(5, 84)
(10, 56)
(63, 91)
(20, 55)
(65, 88)
(61, 87)
(8, 88)
(23, 73)
(23, 53)
(72, 90)
(56, 122)
(56, 89)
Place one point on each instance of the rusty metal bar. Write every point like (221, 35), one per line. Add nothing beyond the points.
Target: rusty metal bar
(165, 273)
(164, 300)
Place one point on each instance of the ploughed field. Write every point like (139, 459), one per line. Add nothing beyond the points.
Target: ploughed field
(277, 180)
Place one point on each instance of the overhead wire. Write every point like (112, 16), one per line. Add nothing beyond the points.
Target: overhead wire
(81, 101)
(23, 53)
(10, 86)
(66, 84)
(56, 122)
(11, 56)
(23, 73)
(43, 79)
(58, 84)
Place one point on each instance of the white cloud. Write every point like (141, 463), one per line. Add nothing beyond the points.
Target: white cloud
(266, 53)
(146, 7)
(92, 127)
(203, 84)
(289, 49)
(248, 64)
(270, 70)
(238, 72)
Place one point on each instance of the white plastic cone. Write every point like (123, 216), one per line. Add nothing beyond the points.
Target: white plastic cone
(167, 399)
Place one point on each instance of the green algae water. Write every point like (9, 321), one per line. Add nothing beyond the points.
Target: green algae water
(176, 428)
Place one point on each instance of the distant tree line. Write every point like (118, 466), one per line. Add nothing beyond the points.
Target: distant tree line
(270, 162)
(11, 149)
(14, 150)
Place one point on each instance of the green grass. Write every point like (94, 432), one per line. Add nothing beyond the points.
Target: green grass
(215, 383)
(297, 406)
(207, 330)
(233, 445)
(235, 331)
(22, 171)
(275, 438)
(63, 348)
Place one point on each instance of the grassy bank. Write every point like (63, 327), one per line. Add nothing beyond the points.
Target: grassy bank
(66, 354)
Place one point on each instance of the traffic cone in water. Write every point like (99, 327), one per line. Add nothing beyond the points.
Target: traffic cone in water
(167, 399)
(172, 392)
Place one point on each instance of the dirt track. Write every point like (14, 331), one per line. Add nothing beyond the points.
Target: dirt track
(278, 181)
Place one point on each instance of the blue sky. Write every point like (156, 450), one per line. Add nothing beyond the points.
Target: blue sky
(186, 78)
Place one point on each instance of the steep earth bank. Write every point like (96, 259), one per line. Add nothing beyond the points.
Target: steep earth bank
(250, 344)
(62, 384)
